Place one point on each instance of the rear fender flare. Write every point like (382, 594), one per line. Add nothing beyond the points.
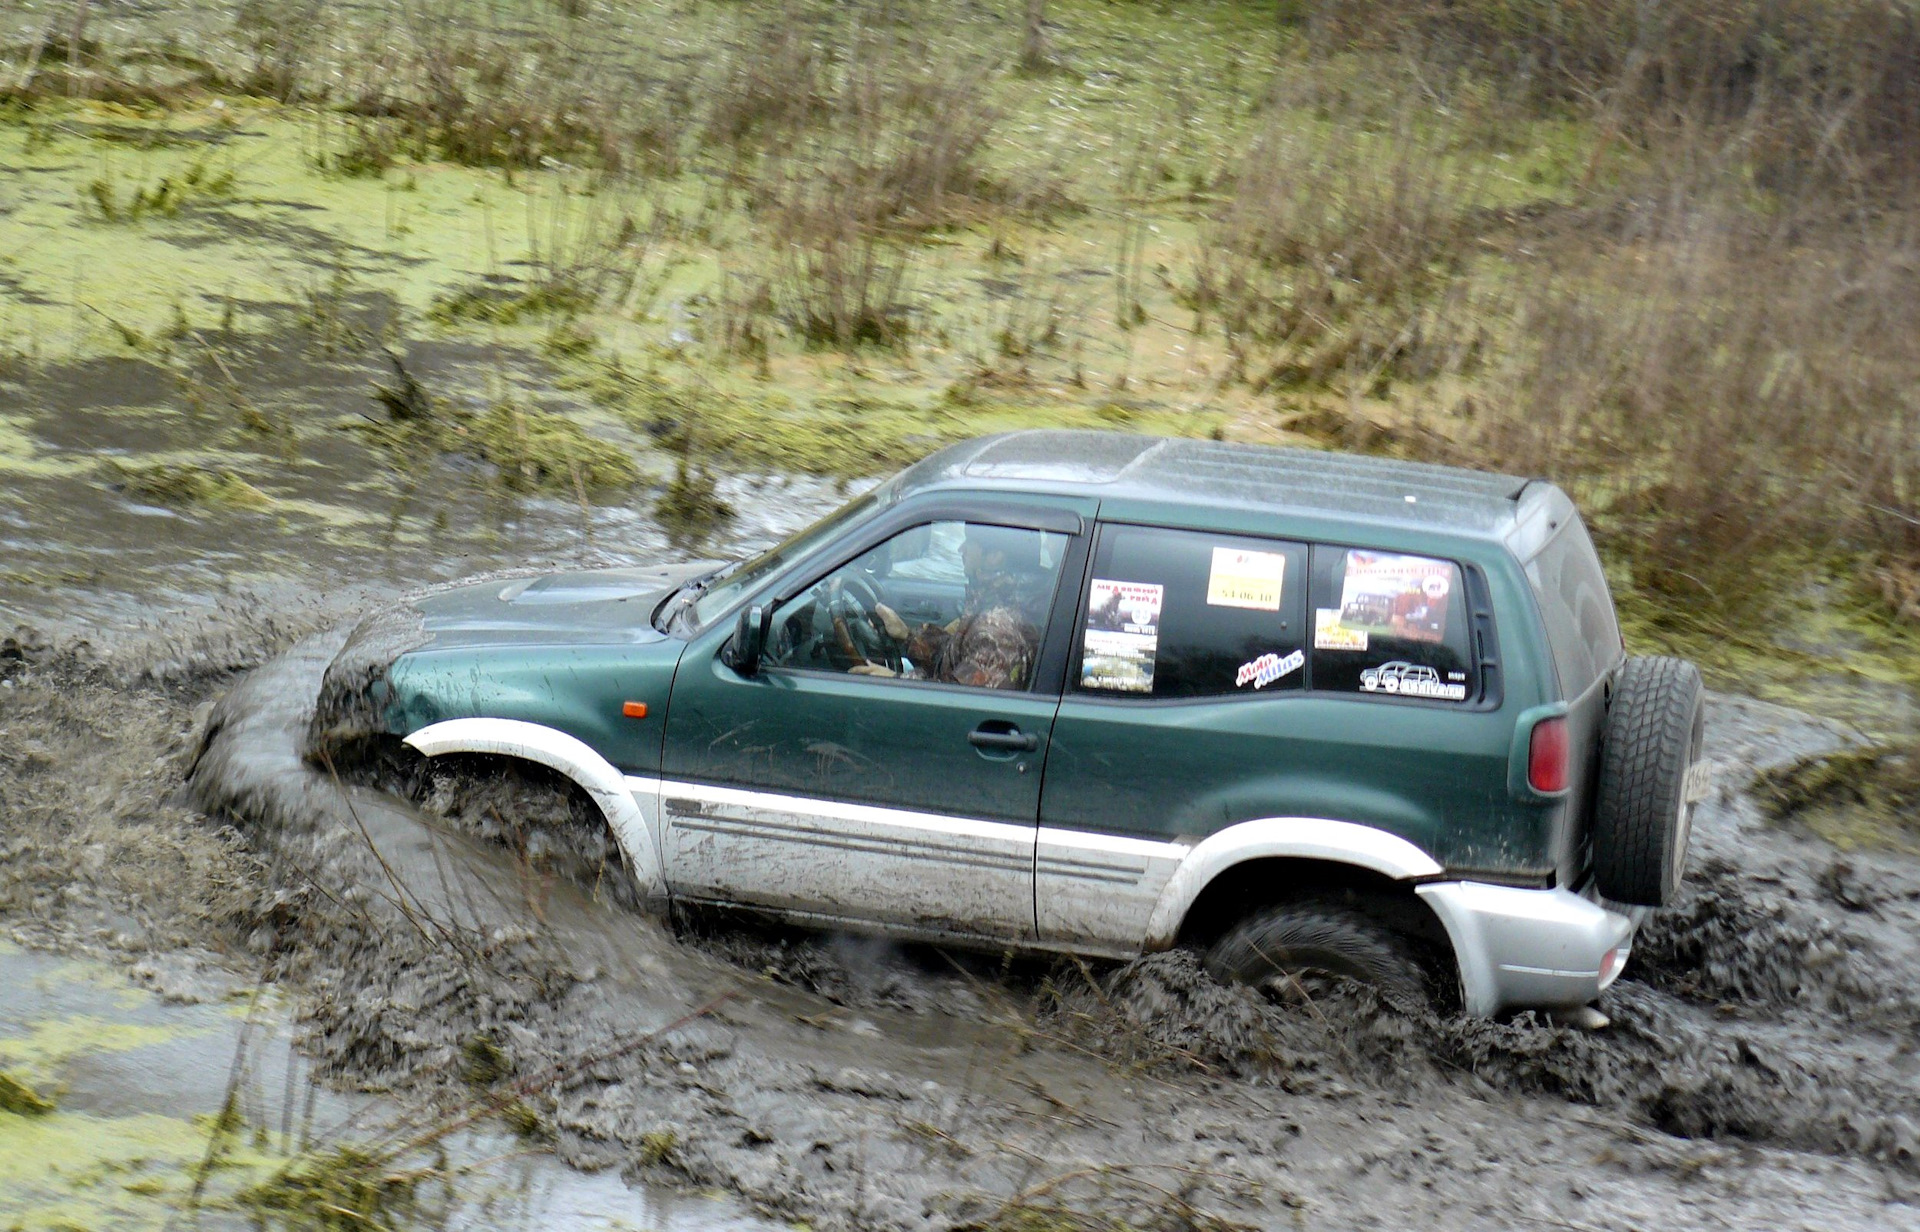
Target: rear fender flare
(633, 825)
(1308, 838)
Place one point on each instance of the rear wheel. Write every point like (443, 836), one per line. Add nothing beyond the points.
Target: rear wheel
(1287, 950)
(1642, 817)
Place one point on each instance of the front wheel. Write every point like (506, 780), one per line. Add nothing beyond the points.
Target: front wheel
(1286, 950)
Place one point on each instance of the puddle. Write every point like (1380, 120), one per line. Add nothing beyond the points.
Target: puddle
(139, 1079)
(274, 526)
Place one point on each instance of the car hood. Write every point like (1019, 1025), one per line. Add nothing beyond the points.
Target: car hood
(589, 607)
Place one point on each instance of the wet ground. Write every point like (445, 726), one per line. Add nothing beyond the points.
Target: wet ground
(140, 1063)
(1760, 1069)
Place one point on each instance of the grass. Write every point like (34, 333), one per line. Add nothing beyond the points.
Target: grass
(188, 485)
(20, 1099)
(837, 236)
(1856, 797)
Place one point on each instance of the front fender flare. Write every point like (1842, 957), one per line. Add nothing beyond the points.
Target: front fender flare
(632, 827)
(1301, 838)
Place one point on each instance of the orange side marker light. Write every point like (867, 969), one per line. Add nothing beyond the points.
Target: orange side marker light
(634, 710)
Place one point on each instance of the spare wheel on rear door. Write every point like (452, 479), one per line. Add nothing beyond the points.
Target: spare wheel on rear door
(1642, 814)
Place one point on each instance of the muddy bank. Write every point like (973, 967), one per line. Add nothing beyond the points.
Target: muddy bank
(1758, 1071)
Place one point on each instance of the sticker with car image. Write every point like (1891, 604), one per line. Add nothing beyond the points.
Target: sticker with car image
(1268, 668)
(1410, 680)
(1396, 596)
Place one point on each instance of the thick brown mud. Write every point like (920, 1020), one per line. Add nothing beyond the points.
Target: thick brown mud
(1759, 1069)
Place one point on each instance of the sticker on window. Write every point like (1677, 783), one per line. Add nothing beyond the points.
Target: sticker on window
(1330, 634)
(1396, 596)
(1244, 578)
(1410, 680)
(1122, 637)
(1268, 668)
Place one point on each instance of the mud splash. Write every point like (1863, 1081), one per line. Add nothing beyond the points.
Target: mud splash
(139, 1021)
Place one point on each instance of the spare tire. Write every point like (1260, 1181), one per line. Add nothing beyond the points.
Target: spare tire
(1641, 815)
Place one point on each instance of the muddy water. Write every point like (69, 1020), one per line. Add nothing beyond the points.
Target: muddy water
(140, 1071)
(1759, 1071)
(331, 514)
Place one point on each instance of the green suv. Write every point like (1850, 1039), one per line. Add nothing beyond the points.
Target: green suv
(1107, 694)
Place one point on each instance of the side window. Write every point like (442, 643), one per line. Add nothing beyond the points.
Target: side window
(1173, 613)
(1389, 623)
(953, 602)
(1576, 607)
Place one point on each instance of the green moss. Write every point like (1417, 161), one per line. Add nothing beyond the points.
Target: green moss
(110, 200)
(52, 1041)
(1854, 797)
(538, 451)
(22, 1100)
(690, 507)
(523, 1120)
(187, 485)
(658, 1147)
(510, 305)
(345, 1189)
(486, 1062)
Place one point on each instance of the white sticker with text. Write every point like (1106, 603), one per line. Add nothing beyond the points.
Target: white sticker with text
(1268, 668)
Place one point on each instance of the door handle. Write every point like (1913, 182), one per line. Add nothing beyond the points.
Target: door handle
(1011, 741)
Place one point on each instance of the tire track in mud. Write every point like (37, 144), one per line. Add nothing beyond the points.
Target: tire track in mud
(1760, 1069)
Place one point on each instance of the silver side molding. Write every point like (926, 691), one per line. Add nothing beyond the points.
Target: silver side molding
(898, 867)
(632, 812)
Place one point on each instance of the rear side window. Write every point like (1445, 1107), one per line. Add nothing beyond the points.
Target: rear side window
(1391, 624)
(1578, 610)
(1173, 613)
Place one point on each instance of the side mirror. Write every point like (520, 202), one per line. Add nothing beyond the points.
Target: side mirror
(749, 639)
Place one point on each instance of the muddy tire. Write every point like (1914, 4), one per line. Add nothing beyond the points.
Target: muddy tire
(1284, 949)
(1642, 817)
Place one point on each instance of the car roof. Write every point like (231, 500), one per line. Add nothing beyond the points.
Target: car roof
(1115, 466)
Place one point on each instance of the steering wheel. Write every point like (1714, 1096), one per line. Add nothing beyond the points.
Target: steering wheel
(866, 596)
(863, 591)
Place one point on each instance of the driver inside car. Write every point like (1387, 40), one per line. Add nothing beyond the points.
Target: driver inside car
(992, 643)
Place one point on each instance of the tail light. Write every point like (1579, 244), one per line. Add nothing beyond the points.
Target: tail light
(1614, 962)
(1547, 757)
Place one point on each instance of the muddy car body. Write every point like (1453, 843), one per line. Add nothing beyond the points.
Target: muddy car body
(1188, 755)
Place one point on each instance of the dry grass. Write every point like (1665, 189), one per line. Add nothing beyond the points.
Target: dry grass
(1721, 364)
(897, 155)
(1734, 393)
(1842, 77)
(1332, 261)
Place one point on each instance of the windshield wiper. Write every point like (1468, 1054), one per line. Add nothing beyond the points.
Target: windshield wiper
(676, 604)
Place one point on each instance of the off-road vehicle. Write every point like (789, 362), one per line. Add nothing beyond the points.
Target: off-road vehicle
(1313, 714)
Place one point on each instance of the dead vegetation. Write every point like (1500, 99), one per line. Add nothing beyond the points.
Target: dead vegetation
(1703, 321)
(528, 450)
(1668, 258)
(1865, 796)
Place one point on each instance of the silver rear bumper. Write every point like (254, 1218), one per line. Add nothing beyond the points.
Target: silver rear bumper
(1529, 949)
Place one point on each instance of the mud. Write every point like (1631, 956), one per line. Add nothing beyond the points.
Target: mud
(1759, 1069)
(465, 945)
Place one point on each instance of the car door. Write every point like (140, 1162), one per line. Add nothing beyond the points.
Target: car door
(1230, 687)
(888, 794)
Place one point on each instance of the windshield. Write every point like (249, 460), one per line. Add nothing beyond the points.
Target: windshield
(722, 593)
